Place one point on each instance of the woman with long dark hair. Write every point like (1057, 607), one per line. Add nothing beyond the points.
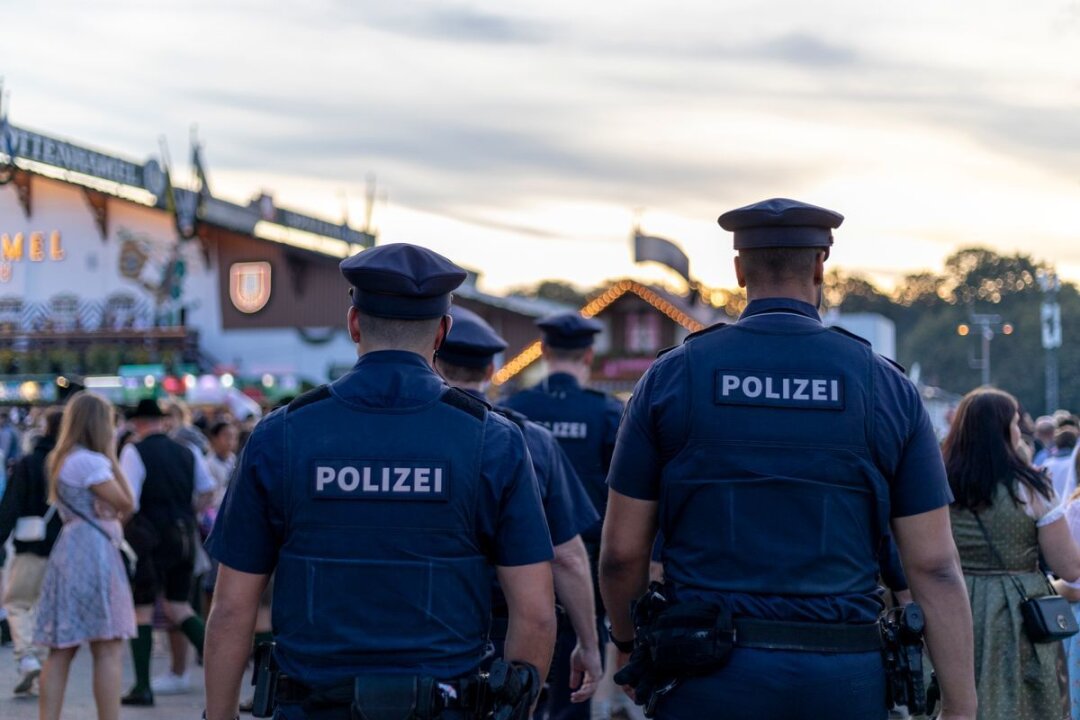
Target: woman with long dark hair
(1004, 514)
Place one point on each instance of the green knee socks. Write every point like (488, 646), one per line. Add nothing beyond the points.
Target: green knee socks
(194, 629)
(141, 647)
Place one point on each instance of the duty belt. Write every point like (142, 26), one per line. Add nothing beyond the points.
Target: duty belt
(460, 694)
(806, 636)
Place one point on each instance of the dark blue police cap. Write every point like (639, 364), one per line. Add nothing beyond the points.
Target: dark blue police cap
(471, 341)
(569, 330)
(401, 281)
(781, 223)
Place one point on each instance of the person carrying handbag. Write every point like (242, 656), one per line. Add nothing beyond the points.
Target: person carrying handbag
(26, 496)
(86, 595)
(1005, 514)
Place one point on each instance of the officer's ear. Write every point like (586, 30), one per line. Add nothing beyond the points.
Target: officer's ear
(740, 276)
(444, 329)
(819, 266)
(352, 321)
(587, 358)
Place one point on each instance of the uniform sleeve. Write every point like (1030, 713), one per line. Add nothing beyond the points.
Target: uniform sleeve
(247, 532)
(569, 510)
(513, 521)
(907, 449)
(612, 418)
(636, 465)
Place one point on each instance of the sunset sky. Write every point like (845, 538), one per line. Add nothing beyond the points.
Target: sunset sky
(519, 138)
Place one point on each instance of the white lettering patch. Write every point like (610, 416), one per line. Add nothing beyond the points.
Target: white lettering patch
(422, 480)
(775, 389)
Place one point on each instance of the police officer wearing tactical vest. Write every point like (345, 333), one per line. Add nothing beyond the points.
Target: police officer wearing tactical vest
(387, 503)
(585, 423)
(774, 455)
(467, 360)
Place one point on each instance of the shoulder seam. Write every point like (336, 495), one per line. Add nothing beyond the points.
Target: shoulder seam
(465, 402)
(310, 397)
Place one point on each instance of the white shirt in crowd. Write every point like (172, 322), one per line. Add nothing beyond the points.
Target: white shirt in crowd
(134, 470)
(1062, 472)
(84, 468)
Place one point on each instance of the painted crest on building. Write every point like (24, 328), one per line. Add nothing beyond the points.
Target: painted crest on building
(249, 286)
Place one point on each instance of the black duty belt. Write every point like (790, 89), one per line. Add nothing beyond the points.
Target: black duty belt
(453, 694)
(807, 636)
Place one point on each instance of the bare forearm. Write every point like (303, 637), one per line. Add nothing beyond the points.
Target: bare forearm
(229, 635)
(574, 589)
(949, 637)
(621, 582)
(531, 641)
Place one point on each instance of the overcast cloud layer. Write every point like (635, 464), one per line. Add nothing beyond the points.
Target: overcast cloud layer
(520, 139)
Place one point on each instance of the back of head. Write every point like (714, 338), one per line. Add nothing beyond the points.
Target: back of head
(467, 355)
(88, 422)
(979, 452)
(400, 293)
(1065, 438)
(51, 423)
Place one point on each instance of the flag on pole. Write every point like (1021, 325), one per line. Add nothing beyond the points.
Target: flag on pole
(7, 146)
(656, 249)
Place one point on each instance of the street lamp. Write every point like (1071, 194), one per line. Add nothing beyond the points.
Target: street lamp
(986, 326)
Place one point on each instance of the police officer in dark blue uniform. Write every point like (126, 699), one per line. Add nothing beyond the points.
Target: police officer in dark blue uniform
(774, 455)
(585, 423)
(386, 503)
(467, 360)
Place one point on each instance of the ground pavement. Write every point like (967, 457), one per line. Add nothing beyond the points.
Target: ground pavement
(79, 701)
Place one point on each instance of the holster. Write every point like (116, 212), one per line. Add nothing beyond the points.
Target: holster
(389, 697)
(693, 638)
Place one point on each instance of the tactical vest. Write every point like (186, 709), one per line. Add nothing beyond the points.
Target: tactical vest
(382, 569)
(775, 491)
(168, 491)
(576, 418)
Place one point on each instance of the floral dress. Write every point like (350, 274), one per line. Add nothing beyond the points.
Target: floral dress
(85, 594)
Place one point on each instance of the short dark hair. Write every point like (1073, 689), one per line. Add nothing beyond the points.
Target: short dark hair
(777, 264)
(392, 332)
(53, 417)
(566, 354)
(459, 373)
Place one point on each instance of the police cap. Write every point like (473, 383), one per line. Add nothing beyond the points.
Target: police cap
(471, 342)
(781, 223)
(401, 281)
(569, 330)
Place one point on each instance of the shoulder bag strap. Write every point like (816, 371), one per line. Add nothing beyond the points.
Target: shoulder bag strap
(89, 522)
(49, 514)
(997, 556)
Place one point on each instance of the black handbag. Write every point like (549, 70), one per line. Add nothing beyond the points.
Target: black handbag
(1046, 619)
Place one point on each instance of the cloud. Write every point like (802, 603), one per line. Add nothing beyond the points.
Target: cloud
(447, 22)
(804, 49)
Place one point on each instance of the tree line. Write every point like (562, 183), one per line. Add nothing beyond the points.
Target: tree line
(928, 309)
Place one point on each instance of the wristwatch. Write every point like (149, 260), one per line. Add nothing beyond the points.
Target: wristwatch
(623, 646)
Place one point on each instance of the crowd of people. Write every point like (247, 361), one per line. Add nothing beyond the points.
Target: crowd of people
(423, 533)
(120, 504)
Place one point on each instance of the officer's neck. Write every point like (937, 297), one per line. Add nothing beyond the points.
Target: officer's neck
(807, 292)
(579, 371)
(427, 353)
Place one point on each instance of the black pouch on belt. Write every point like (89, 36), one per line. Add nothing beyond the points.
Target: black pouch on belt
(382, 697)
(693, 638)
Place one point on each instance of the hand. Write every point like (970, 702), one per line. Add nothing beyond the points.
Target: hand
(105, 511)
(621, 659)
(585, 673)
